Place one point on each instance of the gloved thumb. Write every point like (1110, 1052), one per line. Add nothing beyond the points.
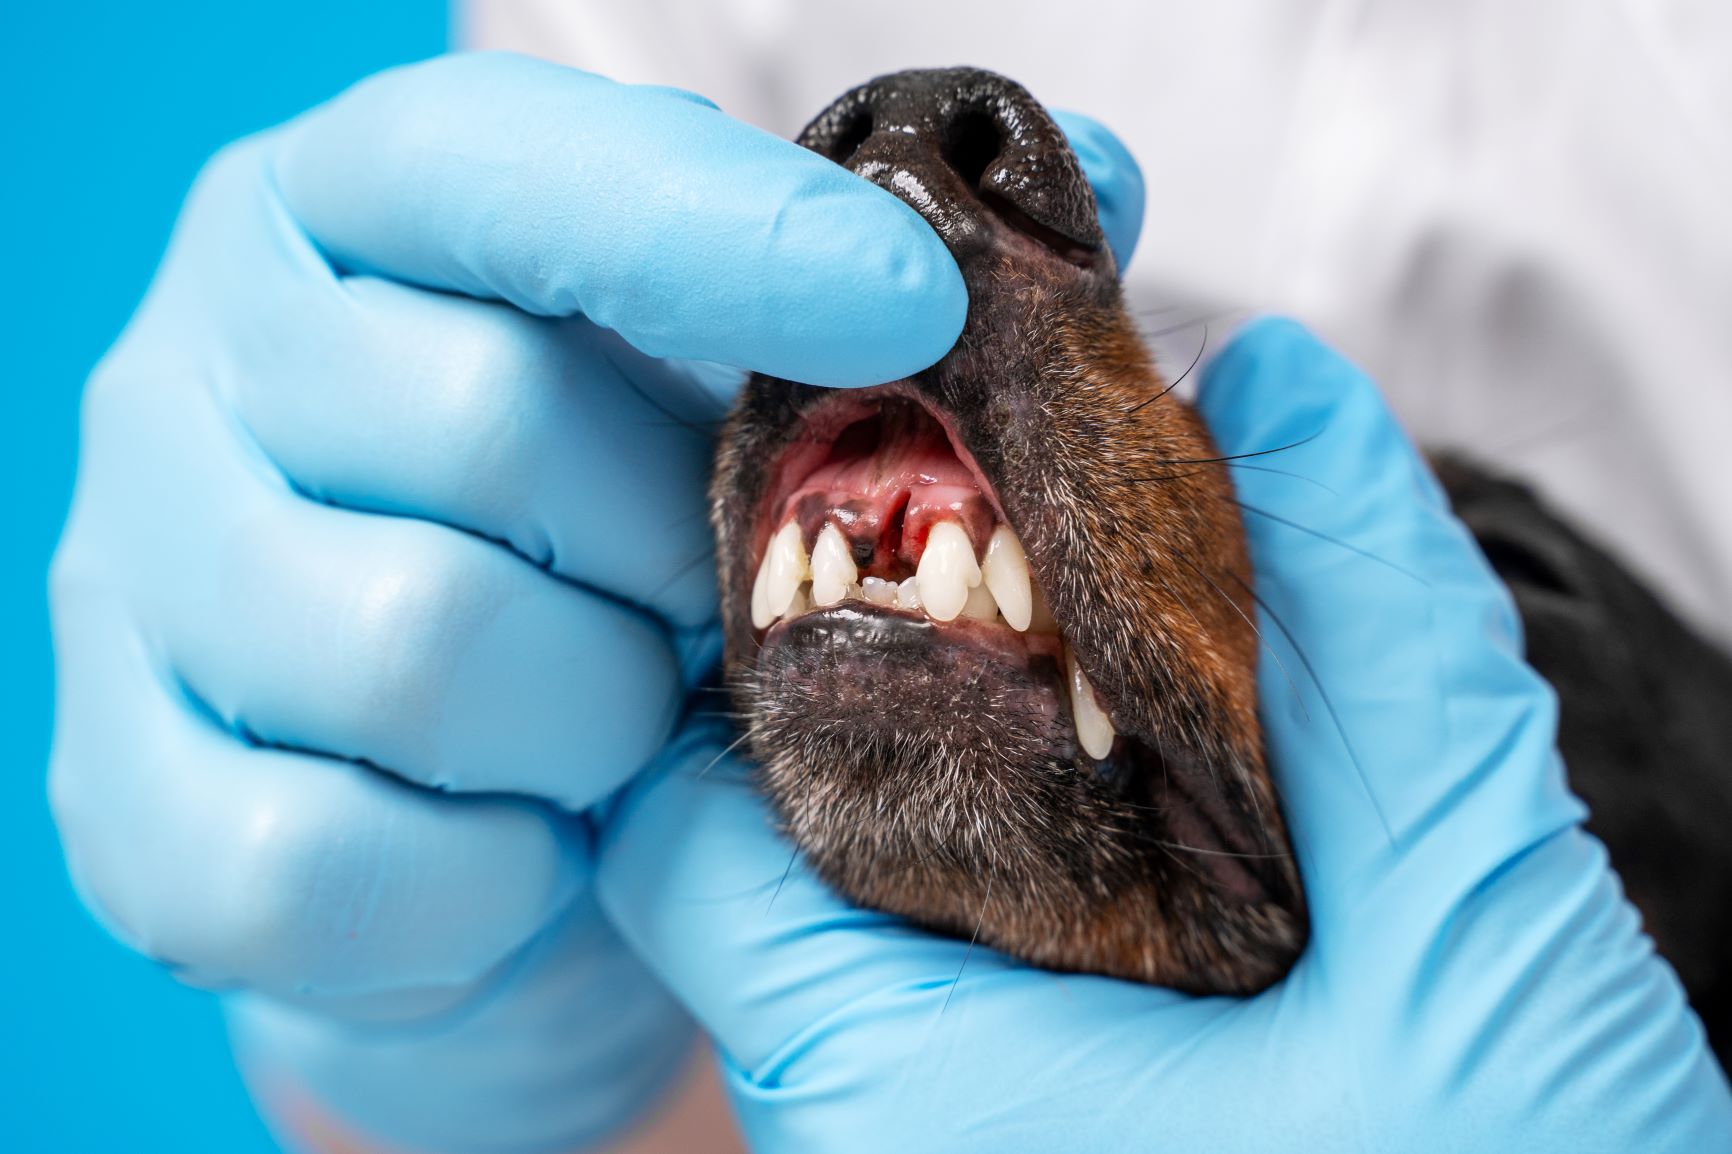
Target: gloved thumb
(1401, 720)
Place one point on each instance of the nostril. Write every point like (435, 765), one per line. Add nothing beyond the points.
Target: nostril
(972, 142)
(1077, 253)
(850, 136)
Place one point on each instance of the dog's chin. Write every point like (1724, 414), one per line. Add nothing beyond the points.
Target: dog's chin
(896, 740)
(922, 764)
(979, 825)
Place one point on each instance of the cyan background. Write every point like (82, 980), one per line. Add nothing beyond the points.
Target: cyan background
(109, 108)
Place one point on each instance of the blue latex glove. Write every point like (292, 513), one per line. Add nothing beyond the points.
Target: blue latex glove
(1476, 980)
(389, 556)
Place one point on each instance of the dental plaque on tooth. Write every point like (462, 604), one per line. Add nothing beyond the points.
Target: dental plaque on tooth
(982, 689)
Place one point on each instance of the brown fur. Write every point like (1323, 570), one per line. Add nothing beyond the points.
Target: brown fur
(922, 769)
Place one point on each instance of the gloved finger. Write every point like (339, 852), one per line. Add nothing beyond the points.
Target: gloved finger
(1114, 175)
(425, 651)
(277, 870)
(1412, 745)
(526, 432)
(548, 435)
(571, 1041)
(649, 211)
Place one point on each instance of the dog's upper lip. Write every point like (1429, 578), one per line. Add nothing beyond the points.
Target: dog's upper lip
(872, 498)
(819, 425)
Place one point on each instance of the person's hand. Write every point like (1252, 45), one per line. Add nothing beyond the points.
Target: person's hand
(383, 541)
(1475, 980)
(389, 557)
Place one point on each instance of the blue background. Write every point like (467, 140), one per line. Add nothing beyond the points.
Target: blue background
(109, 109)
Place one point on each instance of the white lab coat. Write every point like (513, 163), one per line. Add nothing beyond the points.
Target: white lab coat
(1517, 214)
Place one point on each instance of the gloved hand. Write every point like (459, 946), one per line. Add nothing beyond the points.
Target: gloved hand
(389, 557)
(1475, 980)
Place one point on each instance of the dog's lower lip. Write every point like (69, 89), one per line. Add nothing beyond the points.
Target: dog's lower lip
(863, 616)
(897, 666)
(876, 635)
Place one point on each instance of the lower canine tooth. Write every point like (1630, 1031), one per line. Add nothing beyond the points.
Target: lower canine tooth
(1094, 730)
(947, 571)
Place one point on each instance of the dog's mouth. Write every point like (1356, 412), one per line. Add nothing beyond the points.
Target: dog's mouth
(880, 531)
(893, 596)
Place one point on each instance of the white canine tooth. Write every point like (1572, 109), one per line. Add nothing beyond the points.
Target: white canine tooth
(980, 604)
(833, 569)
(879, 591)
(802, 601)
(947, 571)
(908, 595)
(761, 615)
(785, 569)
(1094, 730)
(1005, 571)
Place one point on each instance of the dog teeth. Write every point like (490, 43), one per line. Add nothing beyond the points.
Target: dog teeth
(1005, 570)
(833, 569)
(980, 604)
(879, 591)
(947, 571)
(784, 570)
(948, 582)
(761, 615)
(1094, 730)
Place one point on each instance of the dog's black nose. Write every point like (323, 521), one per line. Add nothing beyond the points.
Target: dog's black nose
(962, 146)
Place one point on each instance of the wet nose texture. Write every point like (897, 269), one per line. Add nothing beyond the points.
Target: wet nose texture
(965, 146)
